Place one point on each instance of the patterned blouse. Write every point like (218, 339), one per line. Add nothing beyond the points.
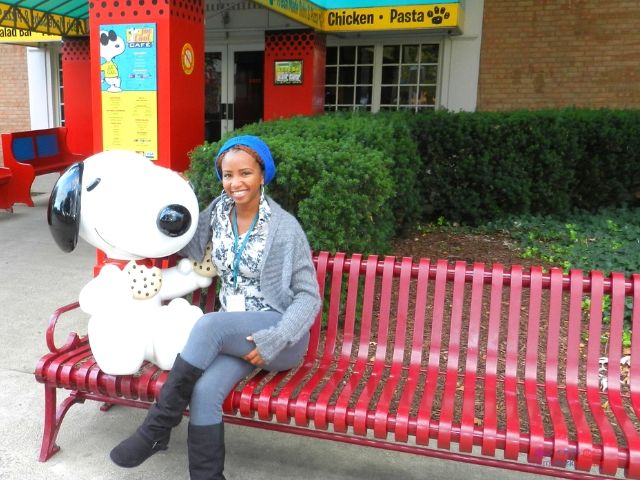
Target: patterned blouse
(248, 282)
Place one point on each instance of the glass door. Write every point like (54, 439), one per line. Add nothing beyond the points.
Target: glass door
(234, 89)
(248, 87)
(213, 96)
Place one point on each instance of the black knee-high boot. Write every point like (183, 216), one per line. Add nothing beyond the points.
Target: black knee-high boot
(153, 435)
(206, 451)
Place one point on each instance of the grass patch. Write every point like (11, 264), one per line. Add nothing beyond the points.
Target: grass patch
(608, 240)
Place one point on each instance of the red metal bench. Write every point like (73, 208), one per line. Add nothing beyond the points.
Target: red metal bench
(492, 366)
(36, 152)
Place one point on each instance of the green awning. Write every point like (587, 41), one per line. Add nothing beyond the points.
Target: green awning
(55, 17)
(69, 17)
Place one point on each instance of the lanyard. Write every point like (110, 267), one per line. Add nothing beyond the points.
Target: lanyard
(237, 254)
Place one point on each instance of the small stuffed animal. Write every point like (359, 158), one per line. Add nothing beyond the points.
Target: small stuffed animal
(134, 211)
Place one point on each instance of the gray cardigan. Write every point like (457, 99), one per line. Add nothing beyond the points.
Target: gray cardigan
(287, 277)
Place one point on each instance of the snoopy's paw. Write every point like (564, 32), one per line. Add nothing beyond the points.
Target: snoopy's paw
(206, 268)
(184, 266)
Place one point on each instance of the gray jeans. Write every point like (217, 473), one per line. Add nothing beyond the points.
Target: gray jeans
(217, 344)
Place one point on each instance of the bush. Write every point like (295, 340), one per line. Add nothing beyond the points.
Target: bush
(387, 132)
(480, 166)
(339, 191)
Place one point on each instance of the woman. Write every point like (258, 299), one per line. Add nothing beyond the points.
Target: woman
(269, 299)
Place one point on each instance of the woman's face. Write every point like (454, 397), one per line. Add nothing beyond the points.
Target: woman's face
(241, 178)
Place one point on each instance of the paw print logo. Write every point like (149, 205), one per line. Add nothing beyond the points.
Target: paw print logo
(438, 14)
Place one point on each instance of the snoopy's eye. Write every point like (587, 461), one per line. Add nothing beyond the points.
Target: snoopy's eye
(93, 184)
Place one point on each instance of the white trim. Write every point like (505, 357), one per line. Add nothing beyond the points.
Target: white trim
(43, 73)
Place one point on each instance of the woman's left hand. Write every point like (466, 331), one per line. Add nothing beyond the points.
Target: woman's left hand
(254, 357)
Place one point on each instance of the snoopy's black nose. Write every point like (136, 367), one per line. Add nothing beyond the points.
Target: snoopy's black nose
(174, 220)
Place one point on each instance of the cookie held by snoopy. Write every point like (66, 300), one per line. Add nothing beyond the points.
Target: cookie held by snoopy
(134, 211)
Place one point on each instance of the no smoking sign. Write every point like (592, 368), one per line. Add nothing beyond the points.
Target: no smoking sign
(188, 58)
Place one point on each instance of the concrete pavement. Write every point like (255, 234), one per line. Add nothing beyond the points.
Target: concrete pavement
(36, 278)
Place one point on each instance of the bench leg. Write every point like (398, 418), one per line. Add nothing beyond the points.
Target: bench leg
(53, 416)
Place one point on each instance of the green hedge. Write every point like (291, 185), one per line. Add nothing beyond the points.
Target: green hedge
(355, 181)
(481, 166)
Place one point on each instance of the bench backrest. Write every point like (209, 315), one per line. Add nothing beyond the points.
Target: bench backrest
(30, 145)
(37, 144)
(399, 310)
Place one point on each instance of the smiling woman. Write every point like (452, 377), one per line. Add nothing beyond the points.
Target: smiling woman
(269, 298)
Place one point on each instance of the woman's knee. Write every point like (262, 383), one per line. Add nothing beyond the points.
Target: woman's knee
(209, 327)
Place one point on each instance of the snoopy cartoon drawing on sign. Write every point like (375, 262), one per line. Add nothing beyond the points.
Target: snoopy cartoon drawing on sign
(111, 45)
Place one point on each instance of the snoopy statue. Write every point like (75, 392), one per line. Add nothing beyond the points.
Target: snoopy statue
(134, 211)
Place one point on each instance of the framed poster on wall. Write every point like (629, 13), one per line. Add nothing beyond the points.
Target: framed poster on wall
(288, 72)
(128, 76)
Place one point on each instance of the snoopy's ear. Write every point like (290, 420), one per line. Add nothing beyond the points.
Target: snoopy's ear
(63, 213)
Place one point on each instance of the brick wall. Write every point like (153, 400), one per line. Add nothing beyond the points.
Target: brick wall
(558, 53)
(14, 89)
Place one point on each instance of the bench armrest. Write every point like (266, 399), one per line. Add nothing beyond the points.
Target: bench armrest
(72, 339)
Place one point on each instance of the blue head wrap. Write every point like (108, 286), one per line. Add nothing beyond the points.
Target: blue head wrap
(258, 146)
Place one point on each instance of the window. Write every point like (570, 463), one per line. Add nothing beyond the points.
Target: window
(349, 78)
(382, 77)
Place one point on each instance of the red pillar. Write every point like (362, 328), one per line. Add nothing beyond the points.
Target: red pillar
(76, 78)
(307, 98)
(179, 66)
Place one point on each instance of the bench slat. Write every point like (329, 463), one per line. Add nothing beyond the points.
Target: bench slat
(472, 353)
(536, 429)
(560, 430)
(608, 463)
(584, 455)
(613, 391)
(634, 371)
(512, 447)
(490, 420)
(453, 355)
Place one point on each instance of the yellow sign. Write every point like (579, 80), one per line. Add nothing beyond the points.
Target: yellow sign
(35, 21)
(16, 35)
(392, 18)
(410, 17)
(188, 58)
(129, 122)
(301, 11)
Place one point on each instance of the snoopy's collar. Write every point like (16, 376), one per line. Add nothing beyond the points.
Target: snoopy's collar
(121, 264)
